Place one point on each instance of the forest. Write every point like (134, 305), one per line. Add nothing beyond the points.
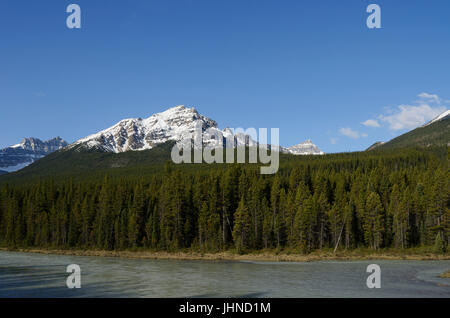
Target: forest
(373, 200)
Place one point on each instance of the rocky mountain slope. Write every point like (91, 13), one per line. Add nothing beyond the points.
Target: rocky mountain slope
(130, 142)
(175, 124)
(29, 150)
(305, 148)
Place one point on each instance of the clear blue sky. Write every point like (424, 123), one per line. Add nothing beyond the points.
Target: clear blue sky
(311, 68)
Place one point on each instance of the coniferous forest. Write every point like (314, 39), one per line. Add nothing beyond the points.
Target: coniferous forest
(368, 200)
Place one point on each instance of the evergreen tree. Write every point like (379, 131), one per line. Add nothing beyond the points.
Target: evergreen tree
(241, 231)
(373, 221)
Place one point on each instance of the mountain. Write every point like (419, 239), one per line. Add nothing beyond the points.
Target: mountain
(434, 133)
(136, 134)
(375, 145)
(305, 148)
(16, 157)
(138, 144)
(175, 124)
(443, 116)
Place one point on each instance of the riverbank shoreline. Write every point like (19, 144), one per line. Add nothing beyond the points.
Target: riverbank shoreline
(263, 256)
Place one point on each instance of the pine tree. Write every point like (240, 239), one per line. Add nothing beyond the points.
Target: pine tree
(203, 219)
(304, 225)
(373, 221)
(242, 225)
(267, 226)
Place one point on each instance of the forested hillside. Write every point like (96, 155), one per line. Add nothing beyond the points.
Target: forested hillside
(434, 134)
(375, 200)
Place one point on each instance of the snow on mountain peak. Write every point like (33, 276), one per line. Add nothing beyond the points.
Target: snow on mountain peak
(176, 123)
(305, 148)
(439, 117)
(29, 150)
(35, 144)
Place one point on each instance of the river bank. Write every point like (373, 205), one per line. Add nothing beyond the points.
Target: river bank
(45, 275)
(265, 255)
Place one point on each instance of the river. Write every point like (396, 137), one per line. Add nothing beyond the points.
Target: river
(42, 275)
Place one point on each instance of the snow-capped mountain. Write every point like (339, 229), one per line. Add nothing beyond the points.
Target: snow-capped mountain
(18, 156)
(305, 148)
(434, 133)
(177, 123)
(442, 116)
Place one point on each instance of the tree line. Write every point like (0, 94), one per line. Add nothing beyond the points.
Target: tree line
(375, 201)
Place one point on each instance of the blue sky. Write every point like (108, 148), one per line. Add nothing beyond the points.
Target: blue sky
(311, 68)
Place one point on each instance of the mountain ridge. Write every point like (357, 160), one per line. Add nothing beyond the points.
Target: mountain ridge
(304, 148)
(434, 133)
(174, 124)
(20, 155)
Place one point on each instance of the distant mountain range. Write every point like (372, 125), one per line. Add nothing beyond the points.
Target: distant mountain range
(126, 143)
(175, 124)
(434, 133)
(16, 157)
(126, 137)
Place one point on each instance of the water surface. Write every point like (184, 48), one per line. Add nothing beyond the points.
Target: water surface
(41, 275)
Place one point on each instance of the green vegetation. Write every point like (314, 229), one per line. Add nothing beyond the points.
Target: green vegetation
(369, 200)
(435, 134)
(375, 145)
(84, 164)
(285, 254)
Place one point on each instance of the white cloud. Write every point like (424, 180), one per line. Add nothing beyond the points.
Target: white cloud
(371, 123)
(334, 140)
(349, 133)
(411, 116)
(430, 97)
(401, 117)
